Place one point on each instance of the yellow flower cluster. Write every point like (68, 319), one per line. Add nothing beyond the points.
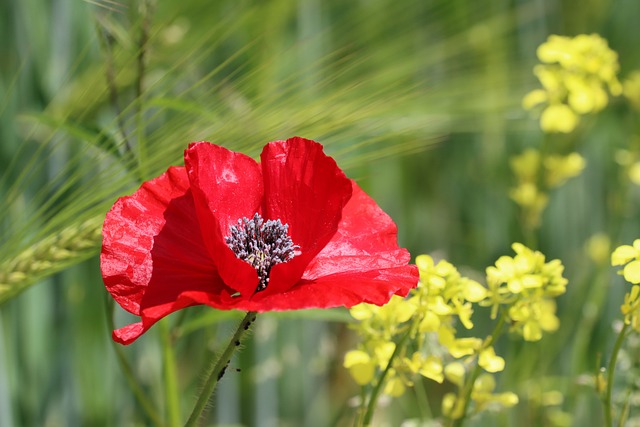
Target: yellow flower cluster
(535, 175)
(527, 285)
(379, 328)
(575, 73)
(629, 256)
(417, 335)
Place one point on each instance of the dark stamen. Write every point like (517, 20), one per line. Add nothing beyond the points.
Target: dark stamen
(261, 244)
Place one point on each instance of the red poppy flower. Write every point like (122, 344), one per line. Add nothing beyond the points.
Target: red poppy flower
(291, 232)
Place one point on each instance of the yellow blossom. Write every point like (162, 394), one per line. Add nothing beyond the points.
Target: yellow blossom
(489, 361)
(452, 406)
(394, 387)
(631, 272)
(575, 75)
(429, 367)
(455, 372)
(483, 395)
(625, 253)
(533, 98)
(526, 165)
(360, 366)
(558, 118)
(631, 308)
(629, 255)
(561, 168)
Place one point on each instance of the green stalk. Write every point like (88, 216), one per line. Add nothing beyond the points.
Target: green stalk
(126, 369)
(145, 24)
(371, 407)
(468, 388)
(172, 399)
(215, 374)
(608, 410)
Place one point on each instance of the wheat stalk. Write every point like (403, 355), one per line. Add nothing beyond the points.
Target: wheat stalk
(50, 255)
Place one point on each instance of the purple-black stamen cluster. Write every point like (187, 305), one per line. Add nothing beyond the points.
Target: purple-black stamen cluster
(261, 244)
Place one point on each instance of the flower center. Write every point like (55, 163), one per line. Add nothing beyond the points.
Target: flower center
(261, 244)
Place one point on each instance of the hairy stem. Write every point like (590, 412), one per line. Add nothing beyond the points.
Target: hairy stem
(215, 374)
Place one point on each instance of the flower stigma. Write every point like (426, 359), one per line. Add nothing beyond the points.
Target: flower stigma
(261, 244)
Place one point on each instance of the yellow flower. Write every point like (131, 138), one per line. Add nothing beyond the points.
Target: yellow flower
(625, 253)
(455, 372)
(631, 272)
(526, 165)
(631, 308)
(452, 406)
(574, 74)
(394, 387)
(561, 168)
(532, 317)
(489, 361)
(558, 118)
(534, 98)
(629, 255)
(483, 395)
(429, 367)
(360, 366)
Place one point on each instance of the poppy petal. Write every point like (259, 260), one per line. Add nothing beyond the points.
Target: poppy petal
(128, 232)
(305, 189)
(348, 289)
(226, 186)
(367, 239)
(129, 333)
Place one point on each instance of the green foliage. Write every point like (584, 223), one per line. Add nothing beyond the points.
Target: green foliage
(418, 100)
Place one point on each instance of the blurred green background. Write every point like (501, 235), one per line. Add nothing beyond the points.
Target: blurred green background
(417, 100)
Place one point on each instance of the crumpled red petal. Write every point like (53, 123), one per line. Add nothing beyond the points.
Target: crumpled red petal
(307, 190)
(226, 186)
(128, 232)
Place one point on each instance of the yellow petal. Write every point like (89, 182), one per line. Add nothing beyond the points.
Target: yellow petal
(623, 254)
(558, 118)
(632, 272)
(489, 361)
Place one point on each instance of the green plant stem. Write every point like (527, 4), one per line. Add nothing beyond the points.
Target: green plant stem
(106, 44)
(215, 374)
(145, 24)
(468, 387)
(608, 410)
(126, 369)
(368, 415)
(172, 399)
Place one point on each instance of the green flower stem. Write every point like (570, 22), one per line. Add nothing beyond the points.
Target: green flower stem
(172, 399)
(138, 393)
(608, 410)
(219, 368)
(368, 415)
(468, 388)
